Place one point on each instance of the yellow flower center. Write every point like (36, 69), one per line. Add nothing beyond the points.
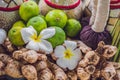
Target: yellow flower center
(36, 38)
(68, 54)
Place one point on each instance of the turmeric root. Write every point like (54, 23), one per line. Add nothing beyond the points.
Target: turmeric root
(2, 50)
(90, 69)
(96, 74)
(42, 57)
(5, 58)
(108, 72)
(40, 65)
(13, 69)
(116, 65)
(83, 47)
(30, 56)
(45, 74)
(29, 72)
(59, 74)
(2, 72)
(8, 45)
(72, 75)
(54, 57)
(2, 65)
(107, 51)
(118, 74)
(91, 58)
(82, 74)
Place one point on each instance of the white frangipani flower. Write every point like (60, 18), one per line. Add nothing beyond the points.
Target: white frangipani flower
(38, 42)
(68, 56)
(3, 36)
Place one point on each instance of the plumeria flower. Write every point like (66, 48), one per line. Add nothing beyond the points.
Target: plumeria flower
(38, 42)
(3, 36)
(68, 55)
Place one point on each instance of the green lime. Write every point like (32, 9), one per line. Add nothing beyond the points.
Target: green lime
(56, 18)
(38, 23)
(58, 38)
(72, 28)
(19, 24)
(42, 16)
(28, 10)
(15, 36)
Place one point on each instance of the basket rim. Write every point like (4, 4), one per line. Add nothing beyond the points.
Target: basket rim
(11, 9)
(72, 6)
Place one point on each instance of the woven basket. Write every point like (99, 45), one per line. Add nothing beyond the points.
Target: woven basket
(9, 12)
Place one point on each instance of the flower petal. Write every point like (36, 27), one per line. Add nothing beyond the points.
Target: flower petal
(62, 63)
(77, 54)
(59, 51)
(27, 33)
(3, 36)
(45, 46)
(70, 44)
(47, 33)
(33, 45)
(72, 64)
(67, 63)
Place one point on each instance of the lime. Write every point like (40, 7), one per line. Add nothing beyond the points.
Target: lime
(19, 24)
(72, 28)
(58, 38)
(28, 10)
(56, 18)
(38, 23)
(42, 16)
(15, 36)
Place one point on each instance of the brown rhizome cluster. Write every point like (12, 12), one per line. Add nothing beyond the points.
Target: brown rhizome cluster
(32, 65)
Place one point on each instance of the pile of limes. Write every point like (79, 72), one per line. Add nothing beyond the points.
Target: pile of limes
(30, 15)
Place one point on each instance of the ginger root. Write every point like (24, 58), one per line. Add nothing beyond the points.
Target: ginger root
(59, 74)
(91, 58)
(109, 51)
(72, 75)
(40, 65)
(45, 74)
(30, 56)
(118, 74)
(96, 74)
(42, 57)
(13, 69)
(108, 72)
(36, 66)
(83, 47)
(2, 65)
(106, 51)
(82, 74)
(90, 69)
(29, 72)
(8, 45)
(116, 65)
(5, 58)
